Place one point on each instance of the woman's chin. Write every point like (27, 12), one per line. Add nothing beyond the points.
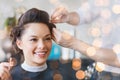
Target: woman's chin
(40, 61)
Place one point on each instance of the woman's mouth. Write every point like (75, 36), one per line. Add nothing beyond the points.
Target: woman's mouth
(41, 54)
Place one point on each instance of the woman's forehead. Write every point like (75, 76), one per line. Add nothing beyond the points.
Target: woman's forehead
(37, 26)
(37, 29)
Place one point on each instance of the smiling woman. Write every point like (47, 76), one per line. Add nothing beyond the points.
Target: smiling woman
(31, 37)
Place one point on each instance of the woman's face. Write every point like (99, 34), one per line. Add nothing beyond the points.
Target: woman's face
(36, 43)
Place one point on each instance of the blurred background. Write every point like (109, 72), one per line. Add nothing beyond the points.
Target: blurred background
(80, 66)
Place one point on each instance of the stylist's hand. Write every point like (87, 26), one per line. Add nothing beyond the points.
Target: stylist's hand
(60, 15)
(63, 38)
(5, 68)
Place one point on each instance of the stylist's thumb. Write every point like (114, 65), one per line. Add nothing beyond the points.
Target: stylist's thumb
(57, 35)
(12, 63)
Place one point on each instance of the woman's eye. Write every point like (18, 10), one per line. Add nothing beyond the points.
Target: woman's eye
(48, 38)
(33, 39)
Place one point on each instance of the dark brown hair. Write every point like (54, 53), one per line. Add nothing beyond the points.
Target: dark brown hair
(31, 16)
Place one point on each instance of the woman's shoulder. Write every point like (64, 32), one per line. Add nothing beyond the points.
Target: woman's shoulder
(20, 74)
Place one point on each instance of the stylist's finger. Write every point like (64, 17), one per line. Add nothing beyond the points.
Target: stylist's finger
(4, 70)
(4, 65)
(57, 13)
(57, 35)
(5, 74)
(12, 63)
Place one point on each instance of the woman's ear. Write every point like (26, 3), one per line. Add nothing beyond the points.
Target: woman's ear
(19, 43)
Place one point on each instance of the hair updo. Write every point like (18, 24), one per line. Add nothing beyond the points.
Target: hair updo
(31, 16)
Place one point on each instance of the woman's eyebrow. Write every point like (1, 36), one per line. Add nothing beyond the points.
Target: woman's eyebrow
(33, 36)
(48, 35)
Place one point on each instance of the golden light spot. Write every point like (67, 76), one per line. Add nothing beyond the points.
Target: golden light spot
(116, 9)
(97, 42)
(80, 74)
(57, 76)
(76, 64)
(105, 13)
(99, 66)
(116, 48)
(91, 51)
(95, 32)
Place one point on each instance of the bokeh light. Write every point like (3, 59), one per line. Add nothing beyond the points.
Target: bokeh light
(95, 31)
(116, 9)
(91, 51)
(57, 76)
(97, 42)
(99, 66)
(80, 74)
(76, 64)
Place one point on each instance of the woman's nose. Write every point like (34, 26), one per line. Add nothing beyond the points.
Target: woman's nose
(41, 44)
